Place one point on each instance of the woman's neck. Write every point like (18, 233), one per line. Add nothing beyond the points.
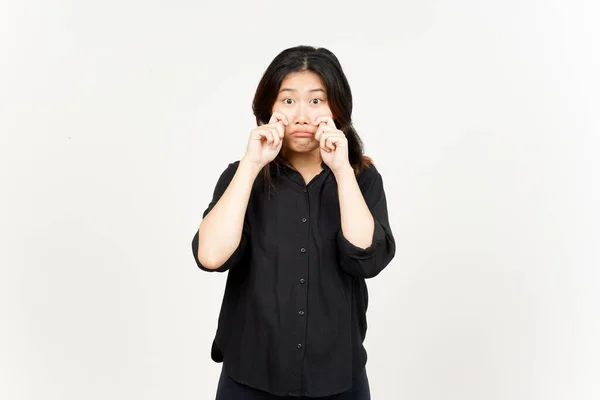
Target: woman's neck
(305, 162)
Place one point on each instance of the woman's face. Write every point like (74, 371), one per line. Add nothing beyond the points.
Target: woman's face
(302, 98)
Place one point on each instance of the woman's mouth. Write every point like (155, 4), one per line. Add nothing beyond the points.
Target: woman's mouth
(302, 134)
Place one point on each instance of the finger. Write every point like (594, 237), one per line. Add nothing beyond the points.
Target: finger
(325, 119)
(330, 143)
(266, 135)
(278, 126)
(322, 128)
(276, 117)
(272, 137)
(335, 139)
(325, 133)
(258, 133)
(276, 136)
(280, 129)
(323, 142)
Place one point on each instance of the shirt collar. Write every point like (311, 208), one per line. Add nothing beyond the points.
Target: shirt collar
(279, 167)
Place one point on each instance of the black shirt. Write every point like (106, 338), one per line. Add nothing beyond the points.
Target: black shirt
(293, 316)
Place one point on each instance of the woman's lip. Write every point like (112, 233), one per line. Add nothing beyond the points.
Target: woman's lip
(302, 134)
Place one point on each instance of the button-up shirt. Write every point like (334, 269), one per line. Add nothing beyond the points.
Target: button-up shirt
(293, 316)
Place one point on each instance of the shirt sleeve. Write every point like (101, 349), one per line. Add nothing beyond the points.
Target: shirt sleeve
(369, 262)
(237, 256)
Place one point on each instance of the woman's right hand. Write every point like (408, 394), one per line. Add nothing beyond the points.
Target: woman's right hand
(266, 140)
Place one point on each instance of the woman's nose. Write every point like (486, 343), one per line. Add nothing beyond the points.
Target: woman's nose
(302, 116)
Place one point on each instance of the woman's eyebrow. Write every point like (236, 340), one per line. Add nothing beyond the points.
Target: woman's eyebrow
(295, 90)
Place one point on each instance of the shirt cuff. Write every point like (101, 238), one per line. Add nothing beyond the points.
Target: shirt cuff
(353, 251)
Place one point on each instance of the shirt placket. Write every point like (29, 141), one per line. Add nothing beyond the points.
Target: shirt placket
(302, 281)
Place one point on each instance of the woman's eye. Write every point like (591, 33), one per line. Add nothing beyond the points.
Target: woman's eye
(288, 101)
(316, 101)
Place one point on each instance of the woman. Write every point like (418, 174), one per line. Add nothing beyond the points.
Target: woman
(298, 240)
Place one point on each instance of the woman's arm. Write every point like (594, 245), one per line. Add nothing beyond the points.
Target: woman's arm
(357, 221)
(365, 241)
(220, 234)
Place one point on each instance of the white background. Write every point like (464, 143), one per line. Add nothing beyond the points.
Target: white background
(117, 117)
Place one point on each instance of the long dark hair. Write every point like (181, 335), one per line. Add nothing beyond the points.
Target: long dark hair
(339, 96)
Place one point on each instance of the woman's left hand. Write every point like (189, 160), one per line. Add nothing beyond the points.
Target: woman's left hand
(333, 144)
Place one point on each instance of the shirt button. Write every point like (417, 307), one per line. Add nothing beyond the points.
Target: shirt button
(301, 312)
(303, 219)
(304, 190)
(303, 250)
(302, 280)
(299, 345)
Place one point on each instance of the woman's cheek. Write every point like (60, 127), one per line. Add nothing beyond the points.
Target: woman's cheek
(324, 111)
(283, 110)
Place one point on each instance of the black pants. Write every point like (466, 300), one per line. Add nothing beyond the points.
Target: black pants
(231, 390)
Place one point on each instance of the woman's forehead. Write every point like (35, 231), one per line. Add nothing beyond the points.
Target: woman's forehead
(305, 81)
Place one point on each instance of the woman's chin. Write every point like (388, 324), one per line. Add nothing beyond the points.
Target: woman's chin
(302, 145)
